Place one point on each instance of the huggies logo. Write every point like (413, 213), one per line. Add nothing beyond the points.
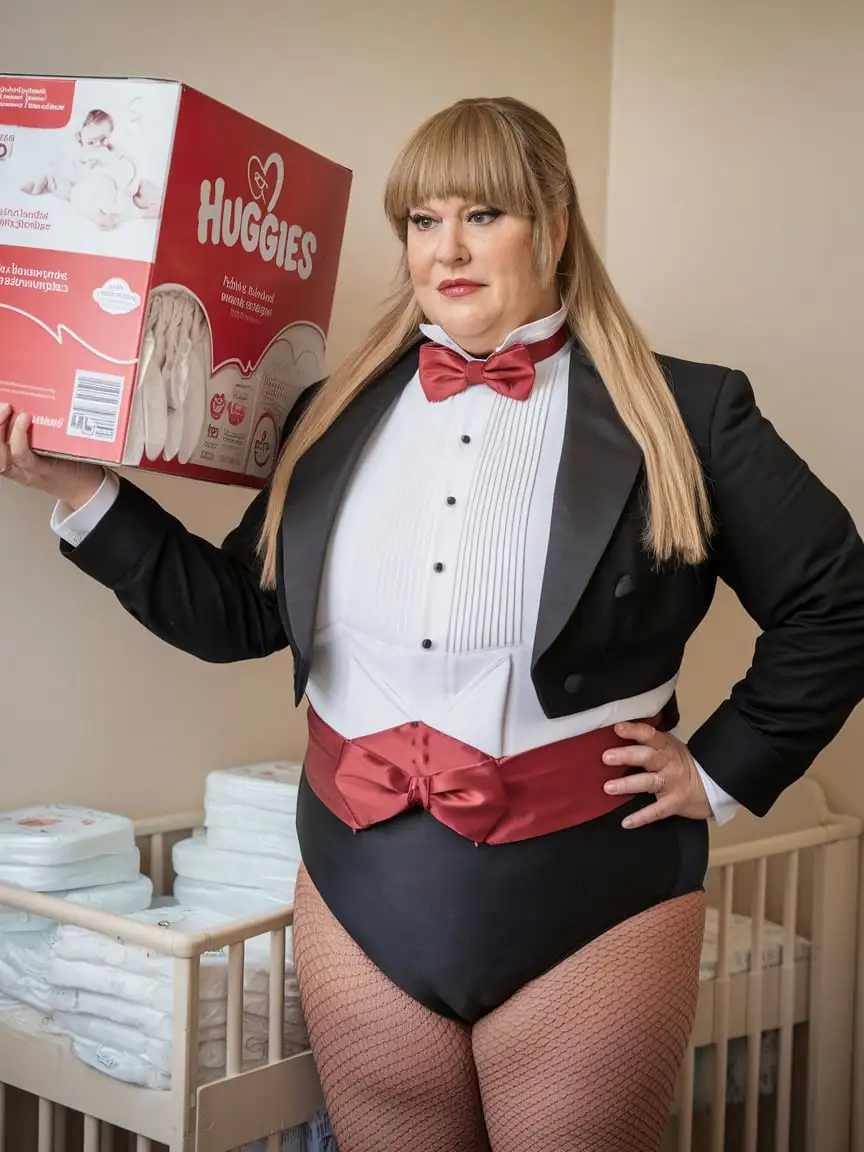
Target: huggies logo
(254, 223)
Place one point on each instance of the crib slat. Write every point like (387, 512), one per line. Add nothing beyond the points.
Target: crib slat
(142, 1144)
(2, 1117)
(755, 980)
(274, 1142)
(46, 1126)
(721, 1012)
(787, 1003)
(234, 1059)
(685, 1102)
(59, 1128)
(91, 1134)
(106, 1143)
(277, 996)
(184, 1062)
(157, 863)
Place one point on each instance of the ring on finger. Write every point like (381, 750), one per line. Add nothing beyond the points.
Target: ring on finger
(659, 782)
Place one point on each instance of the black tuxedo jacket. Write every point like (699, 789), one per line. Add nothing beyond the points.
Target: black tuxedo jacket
(612, 623)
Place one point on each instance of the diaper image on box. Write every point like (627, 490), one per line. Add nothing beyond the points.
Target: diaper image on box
(179, 398)
(97, 173)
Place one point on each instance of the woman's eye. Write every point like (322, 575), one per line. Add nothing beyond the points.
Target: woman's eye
(485, 215)
(423, 223)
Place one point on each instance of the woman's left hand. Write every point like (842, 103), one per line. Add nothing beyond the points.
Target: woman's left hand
(669, 773)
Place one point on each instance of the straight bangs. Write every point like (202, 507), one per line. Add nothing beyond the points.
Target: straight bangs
(467, 151)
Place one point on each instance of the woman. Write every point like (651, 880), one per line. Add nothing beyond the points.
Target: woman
(487, 568)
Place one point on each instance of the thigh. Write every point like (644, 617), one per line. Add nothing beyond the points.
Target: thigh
(395, 1075)
(586, 1057)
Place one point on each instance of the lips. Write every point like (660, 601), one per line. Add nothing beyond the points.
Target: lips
(457, 288)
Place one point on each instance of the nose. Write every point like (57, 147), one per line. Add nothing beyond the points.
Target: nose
(452, 248)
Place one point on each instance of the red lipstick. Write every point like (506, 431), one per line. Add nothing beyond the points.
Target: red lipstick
(456, 288)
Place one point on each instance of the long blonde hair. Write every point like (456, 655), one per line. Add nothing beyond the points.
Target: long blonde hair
(504, 154)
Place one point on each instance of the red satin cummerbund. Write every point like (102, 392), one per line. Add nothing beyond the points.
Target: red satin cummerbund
(488, 799)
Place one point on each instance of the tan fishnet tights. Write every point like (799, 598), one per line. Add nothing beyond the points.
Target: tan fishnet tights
(583, 1059)
(396, 1077)
(586, 1057)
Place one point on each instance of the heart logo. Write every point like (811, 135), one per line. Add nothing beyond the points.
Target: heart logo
(263, 182)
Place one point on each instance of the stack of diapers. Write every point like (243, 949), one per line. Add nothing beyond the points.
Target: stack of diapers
(169, 407)
(76, 854)
(316, 1136)
(247, 862)
(115, 1001)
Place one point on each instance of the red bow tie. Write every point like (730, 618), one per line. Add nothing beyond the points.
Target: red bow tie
(444, 372)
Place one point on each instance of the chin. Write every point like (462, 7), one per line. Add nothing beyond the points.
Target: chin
(459, 319)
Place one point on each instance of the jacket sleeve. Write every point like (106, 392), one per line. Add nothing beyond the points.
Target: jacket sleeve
(789, 550)
(203, 599)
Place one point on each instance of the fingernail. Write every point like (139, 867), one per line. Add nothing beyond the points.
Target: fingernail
(4, 408)
(609, 787)
(628, 823)
(609, 757)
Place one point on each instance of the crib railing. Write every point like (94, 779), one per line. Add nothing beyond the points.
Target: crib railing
(819, 992)
(206, 1117)
(821, 862)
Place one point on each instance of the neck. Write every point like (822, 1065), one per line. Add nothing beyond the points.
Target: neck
(482, 345)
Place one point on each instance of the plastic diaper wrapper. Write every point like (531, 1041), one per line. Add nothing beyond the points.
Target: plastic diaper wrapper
(121, 899)
(230, 900)
(271, 786)
(167, 272)
(283, 844)
(125, 963)
(52, 834)
(88, 873)
(197, 859)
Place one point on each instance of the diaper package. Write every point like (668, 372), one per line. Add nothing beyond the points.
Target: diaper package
(167, 271)
(197, 859)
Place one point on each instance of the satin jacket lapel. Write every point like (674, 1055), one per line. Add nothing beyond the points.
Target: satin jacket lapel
(599, 465)
(314, 496)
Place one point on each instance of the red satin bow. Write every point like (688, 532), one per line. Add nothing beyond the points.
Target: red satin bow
(470, 799)
(444, 373)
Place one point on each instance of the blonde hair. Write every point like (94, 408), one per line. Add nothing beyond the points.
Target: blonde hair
(501, 153)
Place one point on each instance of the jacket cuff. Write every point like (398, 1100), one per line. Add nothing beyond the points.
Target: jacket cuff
(132, 528)
(739, 760)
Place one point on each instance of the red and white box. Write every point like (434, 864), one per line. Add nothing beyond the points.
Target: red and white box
(167, 271)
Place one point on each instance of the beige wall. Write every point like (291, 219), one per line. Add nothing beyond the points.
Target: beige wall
(93, 709)
(735, 231)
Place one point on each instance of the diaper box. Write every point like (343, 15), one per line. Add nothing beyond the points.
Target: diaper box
(167, 271)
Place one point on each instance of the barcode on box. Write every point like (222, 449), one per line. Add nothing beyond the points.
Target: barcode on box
(96, 401)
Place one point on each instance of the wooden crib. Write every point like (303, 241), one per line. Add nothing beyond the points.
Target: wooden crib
(784, 889)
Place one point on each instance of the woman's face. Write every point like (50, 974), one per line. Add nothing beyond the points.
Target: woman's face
(473, 273)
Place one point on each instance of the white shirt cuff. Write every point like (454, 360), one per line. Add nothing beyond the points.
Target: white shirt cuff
(73, 526)
(723, 806)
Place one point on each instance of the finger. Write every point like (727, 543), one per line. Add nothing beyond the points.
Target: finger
(5, 416)
(660, 810)
(19, 443)
(636, 755)
(638, 782)
(642, 733)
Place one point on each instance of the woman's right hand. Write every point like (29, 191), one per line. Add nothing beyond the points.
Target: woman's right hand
(69, 480)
